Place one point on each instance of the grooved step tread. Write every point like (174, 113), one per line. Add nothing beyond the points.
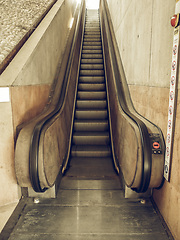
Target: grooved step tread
(92, 25)
(92, 32)
(92, 39)
(90, 138)
(92, 47)
(92, 21)
(92, 72)
(91, 125)
(91, 43)
(93, 51)
(87, 95)
(91, 86)
(91, 114)
(90, 151)
(91, 134)
(85, 55)
(91, 61)
(92, 29)
(97, 162)
(93, 66)
(91, 104)
(91, 79)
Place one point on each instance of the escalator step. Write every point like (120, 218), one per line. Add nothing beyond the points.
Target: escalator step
(93, 51)
(91, 125)
(90, 37)
(92, 29)
(92, 61)
(90, 138)
(92, 32)
(92, 72)
(92, 43)
(92, 25)
(92, 47)
(91, 79)
(84, 55)
(92, 20)
(91, 87)
(88, 95)
(92, 66)
(95, 39)
(91, 104)
(90, 151)
(91, 114)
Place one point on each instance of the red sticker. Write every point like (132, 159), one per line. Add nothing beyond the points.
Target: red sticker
(172, 80)
(175, 49)
(173, 65)
(156, 145)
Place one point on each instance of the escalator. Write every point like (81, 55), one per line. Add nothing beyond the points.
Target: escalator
(90, 128)
(92, 141)
(91, 149)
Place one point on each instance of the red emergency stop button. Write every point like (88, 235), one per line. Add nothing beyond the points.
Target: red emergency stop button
(156, 145)
(175, 20)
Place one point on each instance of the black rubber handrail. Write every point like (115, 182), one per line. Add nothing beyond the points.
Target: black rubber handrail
(34, 147)
(145, 139)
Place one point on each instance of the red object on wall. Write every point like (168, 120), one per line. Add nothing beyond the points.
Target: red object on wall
(175, 20)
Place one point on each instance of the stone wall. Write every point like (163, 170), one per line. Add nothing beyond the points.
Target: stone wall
(145, 36)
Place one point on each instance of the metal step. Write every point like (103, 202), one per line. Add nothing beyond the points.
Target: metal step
(90, 151)
(92, 32)
(91, 114)
(91, 79)
(91, 87)
(92, 19)
(94, 29)
(87, 125)
(91, 43)
(94, 36)
(90, 138)
(91, 40)
(90, 56)
(89, 95)
(93, 51)
(92, 72)
(89, 162)
(92, 47)
(92, 66)
(92, 24)
(92, 61)
(91, 104)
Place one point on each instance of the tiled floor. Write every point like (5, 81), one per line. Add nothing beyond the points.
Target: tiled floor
(88, 209)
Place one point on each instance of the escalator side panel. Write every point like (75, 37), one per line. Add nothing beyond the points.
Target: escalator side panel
(43, 144)
(149, 166)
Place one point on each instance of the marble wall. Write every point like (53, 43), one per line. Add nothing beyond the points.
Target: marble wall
(145, 36)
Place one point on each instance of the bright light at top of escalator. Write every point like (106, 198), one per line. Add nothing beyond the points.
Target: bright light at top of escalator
(92, 4)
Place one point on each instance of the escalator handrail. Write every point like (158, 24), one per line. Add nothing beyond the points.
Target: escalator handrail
(35, 139)
(145, 140)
